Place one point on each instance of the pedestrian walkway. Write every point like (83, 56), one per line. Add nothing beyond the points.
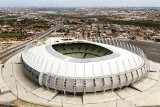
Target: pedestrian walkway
(5, 93)
(17, 82)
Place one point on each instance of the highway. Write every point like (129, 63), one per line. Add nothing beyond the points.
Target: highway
(12, 50)
(151, 49)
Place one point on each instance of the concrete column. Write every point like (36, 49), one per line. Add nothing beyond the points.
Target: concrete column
(41, 79)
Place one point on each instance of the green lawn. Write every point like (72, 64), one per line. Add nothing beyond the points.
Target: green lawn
(11, 35)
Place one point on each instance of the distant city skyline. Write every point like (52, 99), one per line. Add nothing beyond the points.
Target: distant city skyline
(79, 3)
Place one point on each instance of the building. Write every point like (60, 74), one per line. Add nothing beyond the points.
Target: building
(81, 66)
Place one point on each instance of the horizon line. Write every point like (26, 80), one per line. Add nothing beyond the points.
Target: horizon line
(79, 6)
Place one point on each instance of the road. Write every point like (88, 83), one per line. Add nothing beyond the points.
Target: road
(12, 50)
(151, 49)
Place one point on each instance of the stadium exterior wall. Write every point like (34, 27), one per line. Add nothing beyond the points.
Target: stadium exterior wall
(83, 85)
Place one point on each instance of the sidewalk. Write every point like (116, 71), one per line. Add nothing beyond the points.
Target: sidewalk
(6, 95)
(143, 93)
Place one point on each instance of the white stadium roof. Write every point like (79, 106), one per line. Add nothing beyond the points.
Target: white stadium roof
(45, 59)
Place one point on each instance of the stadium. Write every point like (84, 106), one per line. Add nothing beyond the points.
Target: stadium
(84, 66)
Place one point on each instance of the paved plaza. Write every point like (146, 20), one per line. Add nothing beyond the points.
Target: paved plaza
(15, 85)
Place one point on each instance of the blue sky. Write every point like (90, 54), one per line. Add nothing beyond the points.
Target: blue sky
(79, 3)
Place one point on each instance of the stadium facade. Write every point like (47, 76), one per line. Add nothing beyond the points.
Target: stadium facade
(81, 66)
